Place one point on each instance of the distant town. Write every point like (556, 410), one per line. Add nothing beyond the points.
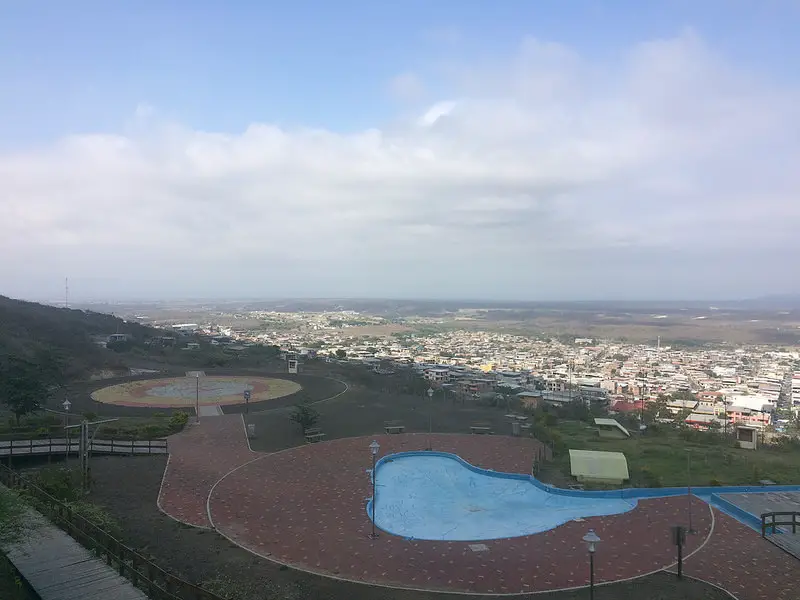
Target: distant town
(756, 386)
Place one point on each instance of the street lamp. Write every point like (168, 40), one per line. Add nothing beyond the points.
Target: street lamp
(67, 404)
(197, 397)
(591, 539)
(430, 417)
(373, 447)
(689, 486)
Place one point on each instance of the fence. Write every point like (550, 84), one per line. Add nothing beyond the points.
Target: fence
(772, 520)
(157, 583)
(47, 446)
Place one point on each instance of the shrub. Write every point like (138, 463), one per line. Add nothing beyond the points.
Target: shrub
(178, 420)
(649, 478)
(97, 516)
(304, 415)
(90, 416)
(155, 431)
(60, 482)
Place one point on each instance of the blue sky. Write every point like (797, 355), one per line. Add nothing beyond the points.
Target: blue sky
(350, 69)
(84, 66)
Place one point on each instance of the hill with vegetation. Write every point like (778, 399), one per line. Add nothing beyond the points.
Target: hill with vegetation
(36, 332)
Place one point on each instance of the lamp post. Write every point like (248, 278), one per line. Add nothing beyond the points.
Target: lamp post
(689, 486)
(197, 398)
(591, 539)
(373, 447)
(430, 417)
(67, 404)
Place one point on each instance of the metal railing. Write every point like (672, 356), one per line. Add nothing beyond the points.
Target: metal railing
(771, 520)
(50, 445)
(142, 572)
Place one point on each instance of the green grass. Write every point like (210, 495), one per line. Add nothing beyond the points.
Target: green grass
(661, 459)
(41, 425)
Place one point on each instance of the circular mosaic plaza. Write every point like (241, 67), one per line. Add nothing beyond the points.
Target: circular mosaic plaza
(177, 392)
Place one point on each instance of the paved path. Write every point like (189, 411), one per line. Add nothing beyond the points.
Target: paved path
(199, 456)
(59, 568)
(306, 507)
(738, 559)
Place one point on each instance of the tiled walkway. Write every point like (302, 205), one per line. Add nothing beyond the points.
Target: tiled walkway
(737, 559)
(199, 456)
(306, 507)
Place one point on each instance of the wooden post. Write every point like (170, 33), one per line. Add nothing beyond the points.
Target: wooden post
(134, 571)
(149, 579)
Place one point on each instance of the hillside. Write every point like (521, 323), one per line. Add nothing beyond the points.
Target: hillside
(28, 329)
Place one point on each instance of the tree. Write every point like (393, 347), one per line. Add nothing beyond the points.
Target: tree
(506, 391)
(304, 415)
(341, 354)
(25, 383)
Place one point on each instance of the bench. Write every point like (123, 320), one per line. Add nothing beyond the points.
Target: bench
(480, 429)
(312, 431)
(314, 437)
(395, 428)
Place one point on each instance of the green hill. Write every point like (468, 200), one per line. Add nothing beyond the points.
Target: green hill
(30, 330)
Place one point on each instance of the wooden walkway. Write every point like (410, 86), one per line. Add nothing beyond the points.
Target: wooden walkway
(59, 568)
(54, 446)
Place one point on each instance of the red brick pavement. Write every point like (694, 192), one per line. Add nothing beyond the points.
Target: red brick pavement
(737, 559)
(306, 507)
(199, 457)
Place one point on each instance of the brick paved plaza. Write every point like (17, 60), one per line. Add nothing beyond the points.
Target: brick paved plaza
(305, 507)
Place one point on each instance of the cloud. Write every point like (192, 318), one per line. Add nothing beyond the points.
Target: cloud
(407, 87)
(550, 175)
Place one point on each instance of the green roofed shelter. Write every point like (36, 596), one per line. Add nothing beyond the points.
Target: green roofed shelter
(590, 466)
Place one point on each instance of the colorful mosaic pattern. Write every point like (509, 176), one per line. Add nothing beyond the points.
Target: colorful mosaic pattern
(176, 392)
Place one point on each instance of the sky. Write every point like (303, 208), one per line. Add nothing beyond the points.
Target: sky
(570, 150)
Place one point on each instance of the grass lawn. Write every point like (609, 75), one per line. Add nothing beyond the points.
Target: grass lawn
(661, 459)
(40, 425)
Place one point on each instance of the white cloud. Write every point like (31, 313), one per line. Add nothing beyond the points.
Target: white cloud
(550, 176)
(407, 87)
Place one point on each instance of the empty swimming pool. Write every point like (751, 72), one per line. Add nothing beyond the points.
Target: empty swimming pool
(437, 496)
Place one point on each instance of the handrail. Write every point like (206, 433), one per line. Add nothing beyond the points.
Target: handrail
(50, 445)
(768, 520)
(142, 572)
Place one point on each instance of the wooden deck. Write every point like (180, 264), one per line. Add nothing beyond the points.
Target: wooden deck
(59, 568)
(62, 446)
